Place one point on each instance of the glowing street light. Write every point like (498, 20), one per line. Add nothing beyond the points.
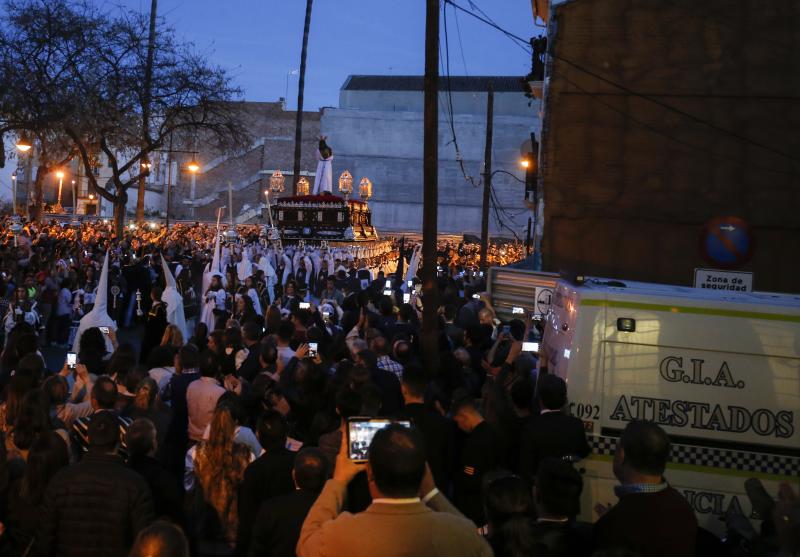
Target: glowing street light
(524, 163)
(24, 144)
(193, 166)
(14, 193)
(60, 176)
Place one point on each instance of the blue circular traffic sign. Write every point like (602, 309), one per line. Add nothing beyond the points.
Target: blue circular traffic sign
(727, 242)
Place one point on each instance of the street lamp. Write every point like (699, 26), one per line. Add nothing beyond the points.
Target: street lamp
(14, 193)
(24, 144)
(365, 189)
(346, 184)
(193, 167)
(302, 186)
(524, 163)
(286, 94)
(60, 176)
(146, 165)
(74, 201)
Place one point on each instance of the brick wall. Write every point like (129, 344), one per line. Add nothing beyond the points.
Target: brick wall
(628, 183)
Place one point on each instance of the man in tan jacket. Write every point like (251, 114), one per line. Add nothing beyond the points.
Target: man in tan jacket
(408, 516)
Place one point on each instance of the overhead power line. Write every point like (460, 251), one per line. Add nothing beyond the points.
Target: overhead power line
(631, 92)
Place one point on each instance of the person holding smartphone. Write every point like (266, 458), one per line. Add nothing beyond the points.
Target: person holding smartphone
(408, 515)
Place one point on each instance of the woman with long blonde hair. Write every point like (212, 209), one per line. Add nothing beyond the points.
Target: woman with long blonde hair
(172, 337)
(219, 464)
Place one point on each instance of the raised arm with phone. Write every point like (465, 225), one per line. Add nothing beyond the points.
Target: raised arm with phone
(408, 515)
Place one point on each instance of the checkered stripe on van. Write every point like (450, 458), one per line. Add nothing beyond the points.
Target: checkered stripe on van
(742, 461)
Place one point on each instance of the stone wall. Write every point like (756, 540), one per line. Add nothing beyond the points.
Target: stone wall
(386, 146)
(273, 131)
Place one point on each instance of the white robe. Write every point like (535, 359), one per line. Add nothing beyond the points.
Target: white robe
(323, 181)
(174, 301)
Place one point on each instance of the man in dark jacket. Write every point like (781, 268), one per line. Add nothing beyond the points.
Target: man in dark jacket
(165, 488)
(186, 372)
(155, 325)
(268, 476)
(482, 452)
(551, 434)
(387, 382)
(104, 401)
(279, 520)
(251, 335)
(98, 506)
(437, 430)
(651, 518)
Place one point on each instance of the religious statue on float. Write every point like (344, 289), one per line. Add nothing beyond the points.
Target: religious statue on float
(323, 181)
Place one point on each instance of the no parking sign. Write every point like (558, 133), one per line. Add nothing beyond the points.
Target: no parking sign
(727, 242)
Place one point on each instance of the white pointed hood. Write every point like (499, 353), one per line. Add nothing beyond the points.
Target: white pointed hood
(98, 317)
(174, 301)
(214, 268)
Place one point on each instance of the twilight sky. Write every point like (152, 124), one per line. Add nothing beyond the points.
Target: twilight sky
(259, 42)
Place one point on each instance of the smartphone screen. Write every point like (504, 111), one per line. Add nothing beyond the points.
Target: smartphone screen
(360, 432)
(388, 284)
(72, 360)
(104, 330)
(530, 346)
(312, 349)
(506, 329)
(305, 305)
(387, 292)
(410, 283)
(476, 296)
(406, 298)
(517, 311)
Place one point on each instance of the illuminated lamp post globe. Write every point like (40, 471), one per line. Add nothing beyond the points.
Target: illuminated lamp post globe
(346, 184)
(365, 189)
(303, 186)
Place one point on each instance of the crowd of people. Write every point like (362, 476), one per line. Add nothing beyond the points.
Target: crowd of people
(226, 433)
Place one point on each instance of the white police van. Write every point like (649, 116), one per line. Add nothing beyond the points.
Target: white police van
(720, 372)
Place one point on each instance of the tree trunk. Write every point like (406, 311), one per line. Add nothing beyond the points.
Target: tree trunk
(148, 78)
(120, 206)
(37, 208)
(301, 83)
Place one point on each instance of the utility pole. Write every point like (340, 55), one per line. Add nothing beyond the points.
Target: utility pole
(301, 83)
(487, 177)
(148, 79)
(430, 199)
